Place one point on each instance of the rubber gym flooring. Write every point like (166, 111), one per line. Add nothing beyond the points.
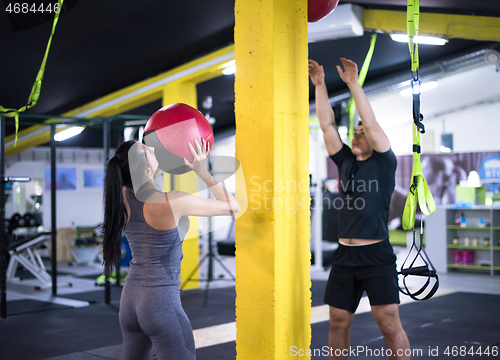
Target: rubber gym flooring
(39, 330)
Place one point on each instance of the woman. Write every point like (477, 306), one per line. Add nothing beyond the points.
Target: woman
(155, 223)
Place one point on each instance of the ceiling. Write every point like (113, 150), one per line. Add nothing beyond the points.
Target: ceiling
(103, 46)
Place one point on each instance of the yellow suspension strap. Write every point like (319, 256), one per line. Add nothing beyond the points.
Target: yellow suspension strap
(419, 190)
(351, 106)
(37, 86)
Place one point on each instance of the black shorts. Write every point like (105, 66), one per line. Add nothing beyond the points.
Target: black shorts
(355, 269)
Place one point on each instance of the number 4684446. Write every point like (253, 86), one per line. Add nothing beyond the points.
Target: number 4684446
(25, 8)
(464, 350)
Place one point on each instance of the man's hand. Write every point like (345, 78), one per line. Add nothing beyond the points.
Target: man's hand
(350, 73)
(316, 73)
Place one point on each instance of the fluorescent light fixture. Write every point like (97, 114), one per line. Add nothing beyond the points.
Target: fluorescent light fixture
(66, 134)
(17, 178)
(424, 87)
(427, 40)
(229, 68)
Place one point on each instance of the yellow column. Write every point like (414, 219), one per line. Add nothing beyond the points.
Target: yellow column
(185, 92)
(273, 237)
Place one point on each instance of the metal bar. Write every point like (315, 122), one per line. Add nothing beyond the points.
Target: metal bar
(63, 122)
(70, 118)
(76, 122)
(126, 117)
(105, 145)
(53, 208)
(3, 235)
(99, 119)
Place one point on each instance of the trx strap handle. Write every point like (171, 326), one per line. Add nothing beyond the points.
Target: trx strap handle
(427, 270)
(361, 79)
(418, 271)
(419, 189)
(37, 86)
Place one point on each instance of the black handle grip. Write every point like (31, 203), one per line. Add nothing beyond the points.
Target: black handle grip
(418, 271)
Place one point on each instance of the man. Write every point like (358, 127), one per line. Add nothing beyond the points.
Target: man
(365, 260)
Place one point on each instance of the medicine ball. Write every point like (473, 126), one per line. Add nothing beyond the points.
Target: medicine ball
(318, 9)
(170, 129)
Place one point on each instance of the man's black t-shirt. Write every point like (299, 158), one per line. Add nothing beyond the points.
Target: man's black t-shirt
(365, 189)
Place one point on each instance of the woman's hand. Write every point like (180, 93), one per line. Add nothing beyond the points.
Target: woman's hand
(316, 73)
(350, 73)
(199, 156)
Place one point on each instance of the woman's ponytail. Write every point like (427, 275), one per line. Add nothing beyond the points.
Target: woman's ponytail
(118, 175)
(115, 214)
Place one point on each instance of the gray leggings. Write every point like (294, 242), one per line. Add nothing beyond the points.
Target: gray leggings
(152, 316)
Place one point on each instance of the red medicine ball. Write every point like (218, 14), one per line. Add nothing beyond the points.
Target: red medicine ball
(170, 129)
(318, 9)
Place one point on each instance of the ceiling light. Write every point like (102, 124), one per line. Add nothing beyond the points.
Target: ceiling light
(427, 40)
(444, 149)
(66, 134)
(229, 68)
(17, 178)
(492, 57)
(424, 87)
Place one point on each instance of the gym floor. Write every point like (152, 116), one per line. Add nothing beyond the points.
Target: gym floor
(464, 314)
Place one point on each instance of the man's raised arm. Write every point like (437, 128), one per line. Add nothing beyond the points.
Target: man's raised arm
(374, 134)
(325, 113)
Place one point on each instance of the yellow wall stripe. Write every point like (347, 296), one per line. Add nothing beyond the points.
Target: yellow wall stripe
(481, 28)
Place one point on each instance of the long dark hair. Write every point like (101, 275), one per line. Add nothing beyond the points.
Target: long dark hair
(115, 212)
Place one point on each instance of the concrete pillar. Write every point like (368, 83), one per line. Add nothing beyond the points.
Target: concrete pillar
(273, 303)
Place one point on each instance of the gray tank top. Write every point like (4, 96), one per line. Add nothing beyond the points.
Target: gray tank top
(156, 254)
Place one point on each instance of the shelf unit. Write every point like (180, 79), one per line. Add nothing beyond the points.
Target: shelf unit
(486, 258)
